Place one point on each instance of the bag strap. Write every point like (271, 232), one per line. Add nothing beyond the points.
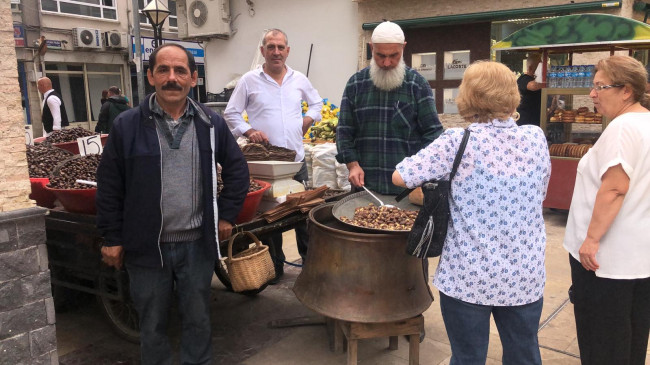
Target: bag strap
(459, 154)
(459, 157)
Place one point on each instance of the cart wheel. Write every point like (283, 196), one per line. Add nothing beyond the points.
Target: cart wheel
(221, 271)
(120, 313)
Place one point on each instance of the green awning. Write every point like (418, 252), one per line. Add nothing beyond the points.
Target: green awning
(578, 31)
(503, 14)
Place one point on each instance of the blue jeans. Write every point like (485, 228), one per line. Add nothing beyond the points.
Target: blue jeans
(187, 268)
(468, 328)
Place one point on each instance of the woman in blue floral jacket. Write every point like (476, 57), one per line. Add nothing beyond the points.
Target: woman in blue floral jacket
(493, 259)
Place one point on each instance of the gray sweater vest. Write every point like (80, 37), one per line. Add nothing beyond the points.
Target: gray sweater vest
(181, 186)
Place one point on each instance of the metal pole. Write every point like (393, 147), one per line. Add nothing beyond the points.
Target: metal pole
(309, 61)
(138, 50)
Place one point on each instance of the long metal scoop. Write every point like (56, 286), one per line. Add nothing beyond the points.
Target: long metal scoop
(381, 203)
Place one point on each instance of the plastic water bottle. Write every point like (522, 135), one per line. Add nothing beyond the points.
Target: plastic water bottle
(581, 76)
(589, 76)
(559, 82)
(550, 77)
(574, 76)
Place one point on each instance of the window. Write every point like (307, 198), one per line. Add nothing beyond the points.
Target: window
(143, 18)
(69, 79)
(173, 18)
(449, 105)
(104, 9)
(15, 6)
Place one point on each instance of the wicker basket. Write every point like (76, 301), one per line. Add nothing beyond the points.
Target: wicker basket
(251, 268)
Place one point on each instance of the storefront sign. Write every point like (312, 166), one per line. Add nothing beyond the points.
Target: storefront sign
(193, 47)
(19, 36)
(425, 64)
(53, 44)
(455, 64)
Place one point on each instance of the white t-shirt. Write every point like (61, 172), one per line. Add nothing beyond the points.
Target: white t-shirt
(538, 73)
(624, 251)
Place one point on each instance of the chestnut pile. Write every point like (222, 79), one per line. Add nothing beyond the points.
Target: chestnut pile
(254, 186)
(391, 219)
(80, 168)
(43, 158)
(68, 135)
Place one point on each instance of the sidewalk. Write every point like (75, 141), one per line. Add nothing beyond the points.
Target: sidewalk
(242, 334)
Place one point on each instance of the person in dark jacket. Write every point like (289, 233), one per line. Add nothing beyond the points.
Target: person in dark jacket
(114, 105)
(158, 209)
(531, 93)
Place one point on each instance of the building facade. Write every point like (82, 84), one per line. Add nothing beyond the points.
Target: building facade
(444, 37)
(84, 48)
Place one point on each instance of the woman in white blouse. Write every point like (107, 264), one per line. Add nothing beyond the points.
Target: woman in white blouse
(607, 231)
(492, 263)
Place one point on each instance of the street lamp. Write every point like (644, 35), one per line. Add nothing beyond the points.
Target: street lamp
(156, 12)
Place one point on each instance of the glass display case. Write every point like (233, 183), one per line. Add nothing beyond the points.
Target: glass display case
(571, 126)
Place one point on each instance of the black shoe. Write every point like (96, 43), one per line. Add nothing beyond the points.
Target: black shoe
(276, 279)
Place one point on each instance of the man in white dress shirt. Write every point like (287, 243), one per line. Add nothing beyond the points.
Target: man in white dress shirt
(53, 114)
(271, 95)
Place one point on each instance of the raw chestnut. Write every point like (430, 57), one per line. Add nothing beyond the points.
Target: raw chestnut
(68, 135)
(43, 158)
(78, 168)
(253, 185)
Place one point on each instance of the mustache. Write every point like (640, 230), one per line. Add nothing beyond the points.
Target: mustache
(172, 86)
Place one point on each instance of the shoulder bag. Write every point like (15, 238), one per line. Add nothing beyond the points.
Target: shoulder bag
(428, 233)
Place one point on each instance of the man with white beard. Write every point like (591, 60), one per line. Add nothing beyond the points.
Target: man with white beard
(387, 113)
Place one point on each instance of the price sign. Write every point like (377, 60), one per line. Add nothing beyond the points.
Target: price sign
(29, 135)
(90, 145)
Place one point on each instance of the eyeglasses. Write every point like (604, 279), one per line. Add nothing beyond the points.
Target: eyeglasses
(603, 87)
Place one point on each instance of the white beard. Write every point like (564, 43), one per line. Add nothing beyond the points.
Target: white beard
(387, 79)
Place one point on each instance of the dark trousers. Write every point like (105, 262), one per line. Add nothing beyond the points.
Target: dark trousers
(187, 267)
(612, 317)
(302, 237)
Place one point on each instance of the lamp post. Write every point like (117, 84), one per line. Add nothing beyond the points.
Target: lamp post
(156, 12)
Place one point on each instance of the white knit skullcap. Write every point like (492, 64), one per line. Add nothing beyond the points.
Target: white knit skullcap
(387, 32)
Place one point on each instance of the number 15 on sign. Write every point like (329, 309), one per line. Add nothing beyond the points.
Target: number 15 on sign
(90, 145)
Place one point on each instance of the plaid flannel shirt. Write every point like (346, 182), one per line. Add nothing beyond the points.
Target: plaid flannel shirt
(380, 128)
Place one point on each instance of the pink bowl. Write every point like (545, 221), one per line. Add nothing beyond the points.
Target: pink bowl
(43, 197)
(251, 203)
(76, 200)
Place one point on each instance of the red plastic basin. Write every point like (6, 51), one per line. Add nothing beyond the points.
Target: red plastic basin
(43, 197)
(251, 203)
(74, 146)
(76, 200)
